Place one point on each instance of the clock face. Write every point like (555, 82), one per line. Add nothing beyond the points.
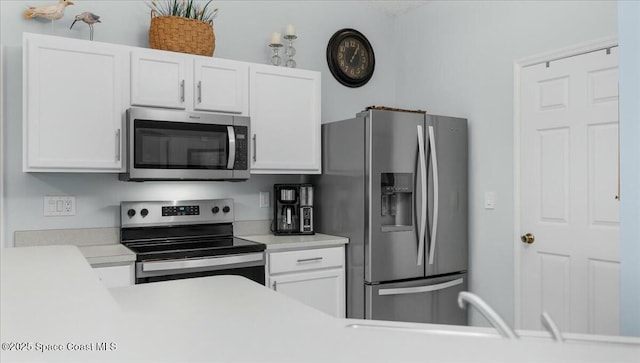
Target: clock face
(350, 58)
(353, 58)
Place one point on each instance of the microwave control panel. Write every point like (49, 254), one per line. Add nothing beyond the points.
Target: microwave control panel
(242, 151)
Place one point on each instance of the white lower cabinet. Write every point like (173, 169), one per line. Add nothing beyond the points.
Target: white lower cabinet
(115, 276)
(315, 277)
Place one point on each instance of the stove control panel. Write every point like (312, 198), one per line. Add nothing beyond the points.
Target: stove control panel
(183, 210)
(163, 213)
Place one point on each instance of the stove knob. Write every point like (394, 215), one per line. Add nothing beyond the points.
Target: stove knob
(144, 212)
(131, 213)
(226, 209)
(215, 210)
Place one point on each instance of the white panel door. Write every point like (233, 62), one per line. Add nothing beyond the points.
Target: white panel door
(569, 193)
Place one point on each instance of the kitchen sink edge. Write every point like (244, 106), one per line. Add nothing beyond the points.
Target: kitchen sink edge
(482, 332)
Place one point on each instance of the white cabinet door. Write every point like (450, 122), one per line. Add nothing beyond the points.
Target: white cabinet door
(115, 276)
(321, 289)
(284, 105)
(221, 85)
(187, 82)
(159, 79)
(74, 92)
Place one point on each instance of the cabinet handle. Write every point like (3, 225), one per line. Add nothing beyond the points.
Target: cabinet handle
(315, 259)
(118, 145)
(254, 147)
(182, 91)
(199, 91)
(275, 286)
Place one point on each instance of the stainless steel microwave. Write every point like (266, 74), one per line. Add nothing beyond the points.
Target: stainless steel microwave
(180, 145)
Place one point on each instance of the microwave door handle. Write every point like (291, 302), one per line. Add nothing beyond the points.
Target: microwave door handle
(232, 147)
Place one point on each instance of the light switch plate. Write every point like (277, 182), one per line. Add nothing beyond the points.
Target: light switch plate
(265, 200)
(59, 206)
(489, 200)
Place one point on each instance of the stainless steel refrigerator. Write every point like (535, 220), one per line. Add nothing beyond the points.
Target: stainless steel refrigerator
(395, 184)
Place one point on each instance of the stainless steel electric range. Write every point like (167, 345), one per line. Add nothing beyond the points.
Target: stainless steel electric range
(184, 239)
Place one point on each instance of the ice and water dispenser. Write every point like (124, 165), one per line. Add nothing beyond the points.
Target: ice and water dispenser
(396, 201)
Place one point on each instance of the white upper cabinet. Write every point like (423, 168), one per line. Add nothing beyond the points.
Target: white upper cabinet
(221, 85)
(74, 93)
(284, 105)
(158, 79)
(187, 82)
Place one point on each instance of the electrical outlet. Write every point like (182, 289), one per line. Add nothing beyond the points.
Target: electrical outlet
(59, 206)
(265, 199)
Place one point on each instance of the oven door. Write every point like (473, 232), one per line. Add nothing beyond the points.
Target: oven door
(249, 265)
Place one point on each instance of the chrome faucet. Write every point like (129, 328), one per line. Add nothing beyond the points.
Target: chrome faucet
(486, 311)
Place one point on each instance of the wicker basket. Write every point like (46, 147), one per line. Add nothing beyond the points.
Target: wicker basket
(183, 35)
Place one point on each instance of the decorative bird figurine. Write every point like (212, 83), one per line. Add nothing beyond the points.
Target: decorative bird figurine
(51, 12)
(90, 19)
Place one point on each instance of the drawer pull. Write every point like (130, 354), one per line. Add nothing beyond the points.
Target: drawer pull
(315, 259)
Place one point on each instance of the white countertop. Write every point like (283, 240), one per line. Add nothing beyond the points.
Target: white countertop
(281, 243)
(50, 295)
(107, 254)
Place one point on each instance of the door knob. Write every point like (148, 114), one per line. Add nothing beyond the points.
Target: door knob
(528, 238)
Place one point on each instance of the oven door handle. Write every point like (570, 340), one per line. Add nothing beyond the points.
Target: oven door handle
(223, 261)
(232, 147)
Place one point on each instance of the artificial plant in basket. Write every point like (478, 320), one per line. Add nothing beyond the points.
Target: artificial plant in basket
(182, 26)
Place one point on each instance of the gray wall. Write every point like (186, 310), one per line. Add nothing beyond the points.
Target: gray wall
(461, 64)
(243, 30)
(629, 25)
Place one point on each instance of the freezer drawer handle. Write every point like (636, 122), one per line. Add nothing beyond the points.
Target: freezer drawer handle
(420, 289)
(315, 259)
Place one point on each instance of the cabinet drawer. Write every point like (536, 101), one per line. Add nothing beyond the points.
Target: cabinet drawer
(306, 260)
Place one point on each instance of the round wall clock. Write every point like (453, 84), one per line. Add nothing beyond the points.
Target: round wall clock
(350, 58)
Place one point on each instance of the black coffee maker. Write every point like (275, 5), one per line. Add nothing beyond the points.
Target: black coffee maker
(293, 209)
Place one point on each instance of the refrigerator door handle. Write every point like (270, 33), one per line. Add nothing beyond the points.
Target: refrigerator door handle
(436, 191)
(420, 289)
(423, 201)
